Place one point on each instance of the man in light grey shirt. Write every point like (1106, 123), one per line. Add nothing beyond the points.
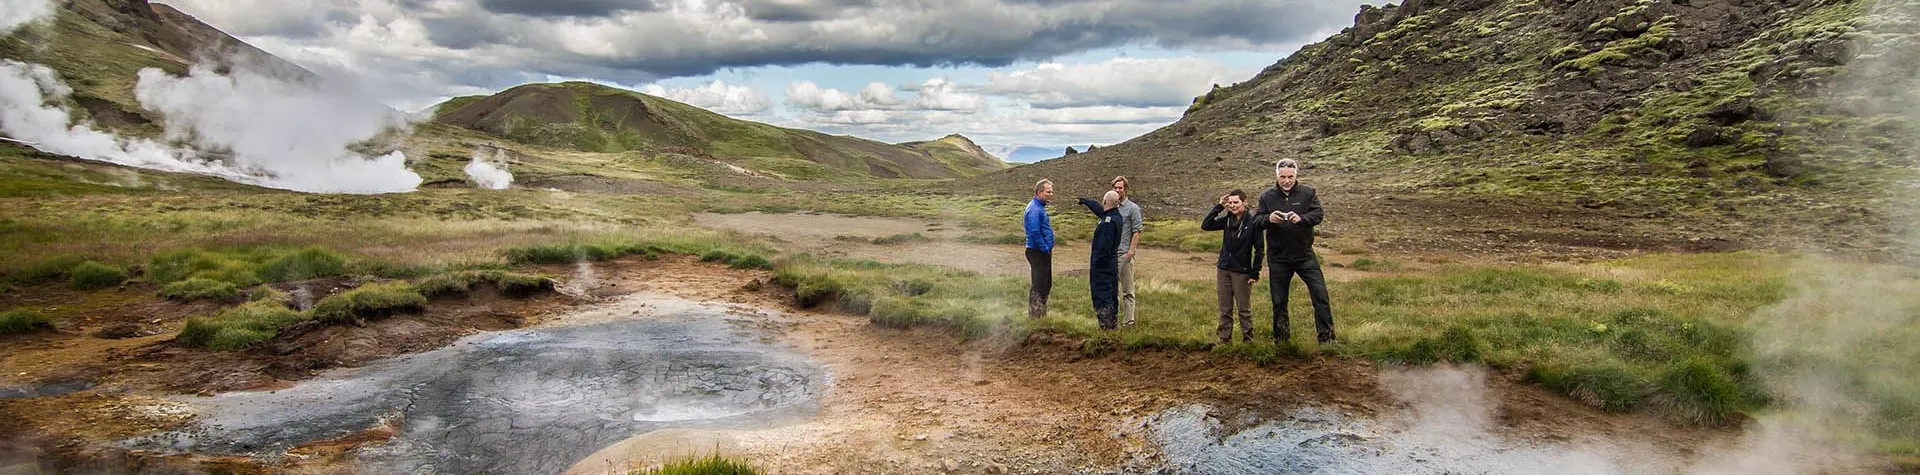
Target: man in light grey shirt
(1129, 242)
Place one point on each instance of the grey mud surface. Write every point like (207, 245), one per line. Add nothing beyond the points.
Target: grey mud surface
(1447, 429)
(531, 401)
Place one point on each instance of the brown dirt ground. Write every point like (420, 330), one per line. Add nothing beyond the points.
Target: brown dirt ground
(902, 401)
(918, 401)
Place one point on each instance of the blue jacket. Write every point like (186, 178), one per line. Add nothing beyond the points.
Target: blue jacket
(1039, 228)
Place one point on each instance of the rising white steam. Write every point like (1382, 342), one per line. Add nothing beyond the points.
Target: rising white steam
(27, 114)
(296, 135)
(254, 128)
(488, 168)
(14, 13)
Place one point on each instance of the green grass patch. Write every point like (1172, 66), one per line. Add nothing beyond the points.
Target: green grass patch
(245, 267)
(902, 295)
(462, 282)
(45, 270)
(239, 327)
(303, 264)
(92, 275)
(21, 320)
(200, 289)
(736, 258)
(707, 465)
(369, 302)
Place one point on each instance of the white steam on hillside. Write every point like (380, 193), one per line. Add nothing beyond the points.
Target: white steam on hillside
(243, 125)
(14, 13)
(488, 168)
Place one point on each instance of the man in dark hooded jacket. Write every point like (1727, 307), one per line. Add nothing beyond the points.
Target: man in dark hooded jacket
(1103, 272)
(1292, 210)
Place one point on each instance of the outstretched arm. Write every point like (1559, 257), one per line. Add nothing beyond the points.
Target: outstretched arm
(1093, 206)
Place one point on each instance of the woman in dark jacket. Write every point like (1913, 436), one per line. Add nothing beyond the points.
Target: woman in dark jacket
(1239, 267)
(1103, 273)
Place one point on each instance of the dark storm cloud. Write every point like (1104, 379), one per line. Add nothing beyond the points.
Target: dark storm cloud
(633, 40)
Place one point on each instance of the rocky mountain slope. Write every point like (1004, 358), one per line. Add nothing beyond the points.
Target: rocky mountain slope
(959, 153)
(1638, 122)
(594, 118)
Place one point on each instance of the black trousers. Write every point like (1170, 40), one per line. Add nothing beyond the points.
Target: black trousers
(1280, 279)
(1040, 263)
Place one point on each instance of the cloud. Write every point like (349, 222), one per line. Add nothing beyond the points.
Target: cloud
(717, 96)
(1106, 115)
(567, 8)
(641, 41)
(937, 94)
(1118, 81)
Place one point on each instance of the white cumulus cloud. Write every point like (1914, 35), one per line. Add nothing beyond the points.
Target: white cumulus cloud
(1118, 81)
(937, 94)
(717, 96)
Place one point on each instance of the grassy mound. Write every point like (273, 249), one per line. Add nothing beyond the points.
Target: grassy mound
(239, 327)
(21, 320)
(370, 301)
(200, 289)
(708, 465)
(92, 275)
(246, 267)
(462, 282)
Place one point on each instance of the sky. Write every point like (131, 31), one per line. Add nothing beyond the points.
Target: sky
(1005, 73)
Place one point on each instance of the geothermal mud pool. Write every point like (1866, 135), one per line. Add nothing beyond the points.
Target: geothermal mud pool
(1447, 428)
(529, 401)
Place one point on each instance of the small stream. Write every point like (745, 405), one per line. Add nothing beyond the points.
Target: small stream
(530, 401)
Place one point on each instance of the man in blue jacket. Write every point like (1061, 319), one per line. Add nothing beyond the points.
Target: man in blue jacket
(1039, 249)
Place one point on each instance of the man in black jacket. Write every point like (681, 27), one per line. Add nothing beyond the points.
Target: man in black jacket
(1103, 270)
(1292, 210)
(1241, 250)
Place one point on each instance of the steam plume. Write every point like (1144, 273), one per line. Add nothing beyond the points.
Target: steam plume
(256, 129)
(484, 171)
(14, 13)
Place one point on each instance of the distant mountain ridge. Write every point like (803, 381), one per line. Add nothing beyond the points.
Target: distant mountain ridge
(596, 118)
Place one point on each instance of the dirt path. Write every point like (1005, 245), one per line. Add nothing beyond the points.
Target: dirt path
(852, 237)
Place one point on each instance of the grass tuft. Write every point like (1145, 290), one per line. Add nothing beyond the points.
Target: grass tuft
(1609, 387)
(304, 264)
(370, 301)
(21, 320)
(1700, 391)
(1456, 345)
(91, 275)
(239, 327)
(708, 465)
(463, 282)
(200, 289)
(46, 270)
